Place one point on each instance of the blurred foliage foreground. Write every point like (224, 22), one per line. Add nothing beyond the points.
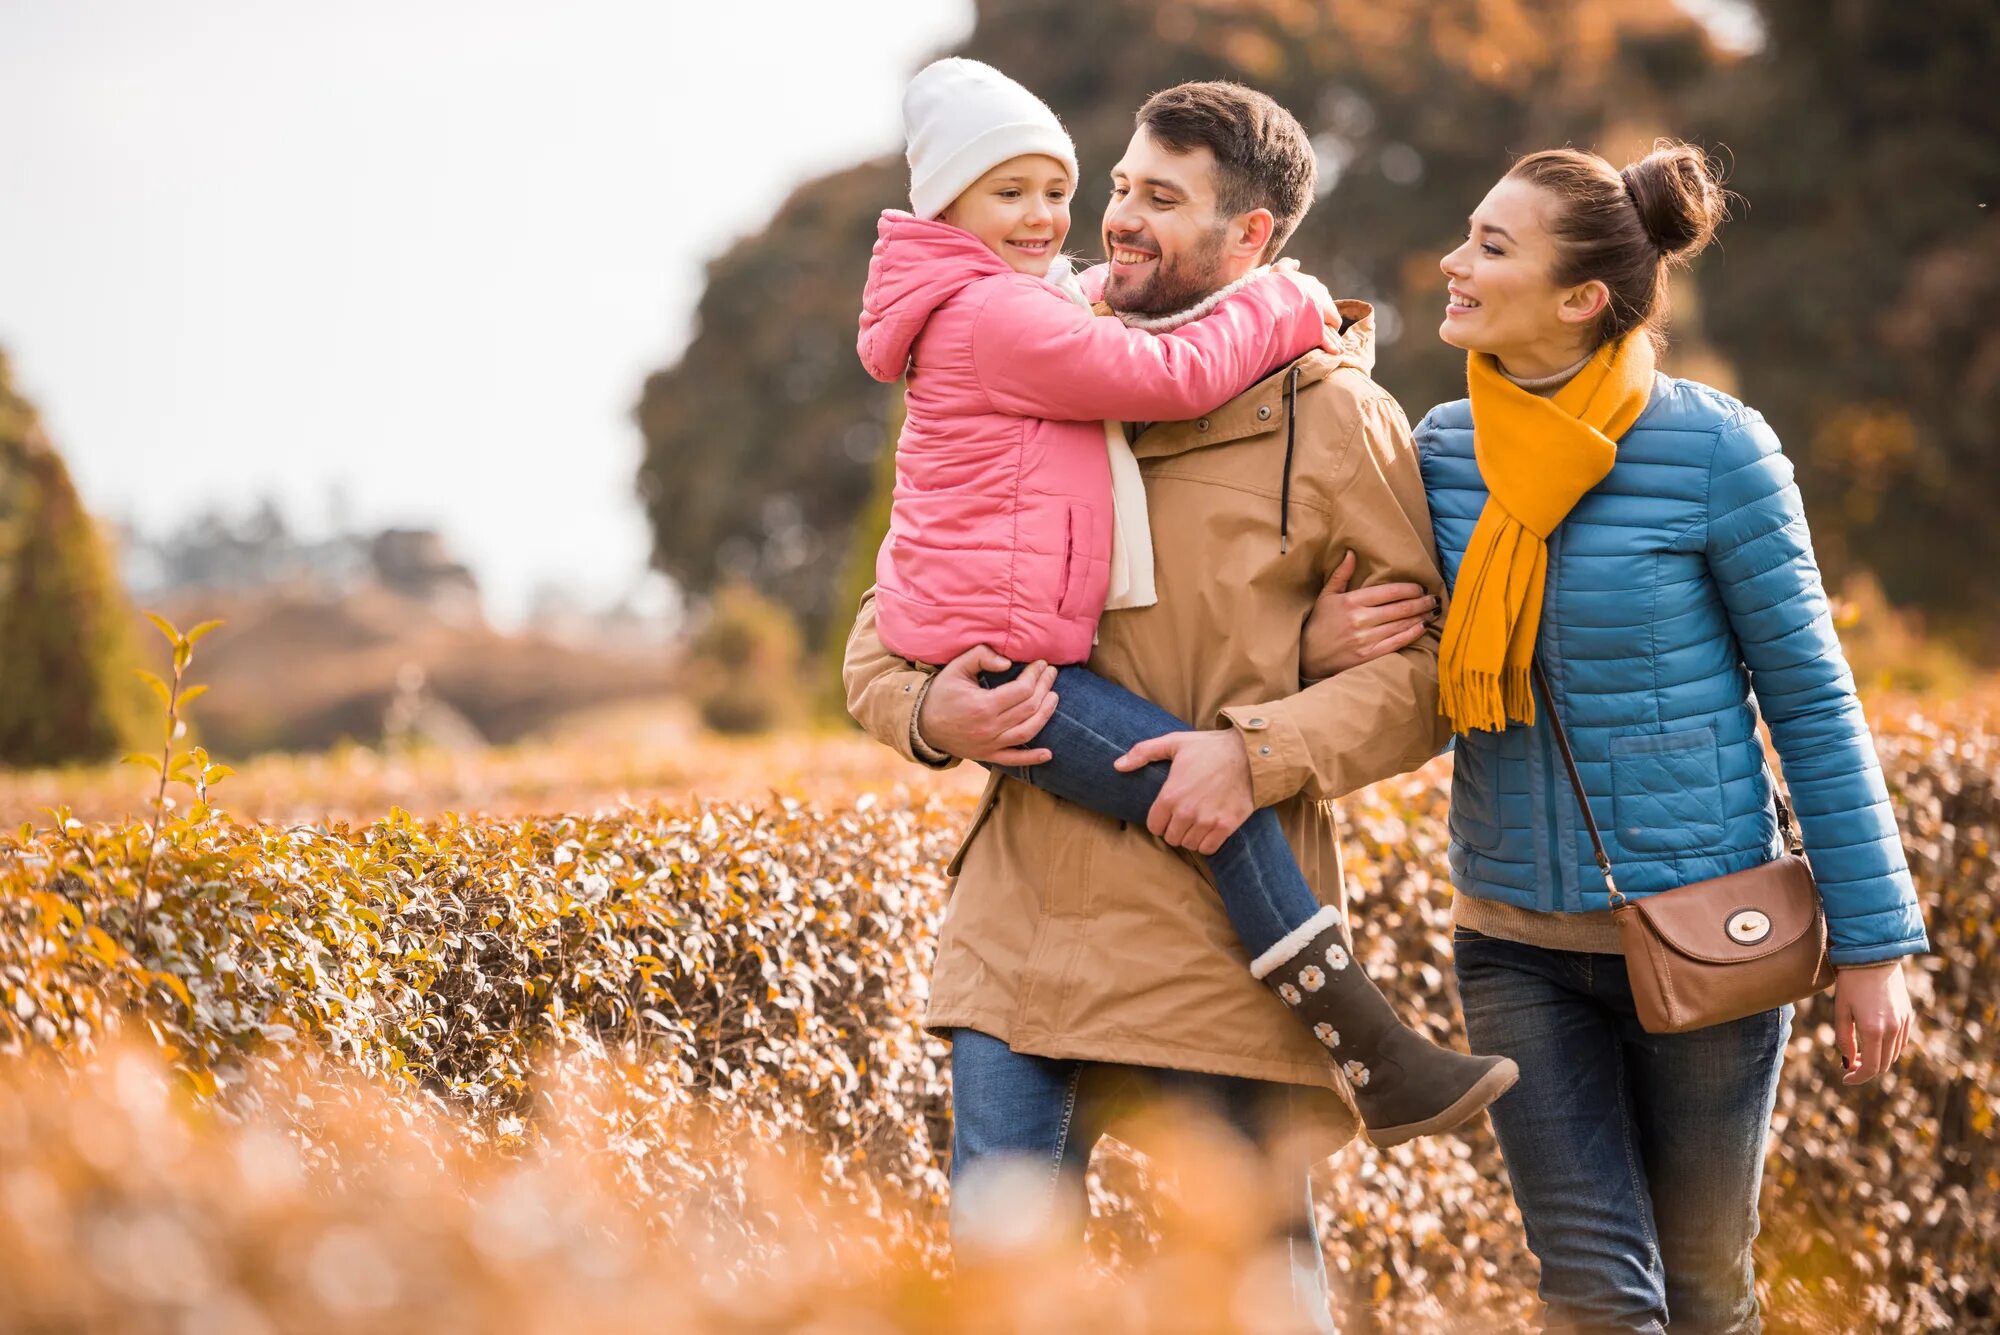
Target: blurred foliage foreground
(662, 1068)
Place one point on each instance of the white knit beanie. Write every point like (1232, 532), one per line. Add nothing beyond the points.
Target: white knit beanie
(962, 119)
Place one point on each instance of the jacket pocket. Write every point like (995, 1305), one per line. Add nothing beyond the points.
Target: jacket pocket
(1666, 791)
(1474, 814)
(1076, 562)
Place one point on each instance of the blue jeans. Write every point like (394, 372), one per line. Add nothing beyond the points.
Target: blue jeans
(1635, 1157)
(1256, 873)
(1011, 1110)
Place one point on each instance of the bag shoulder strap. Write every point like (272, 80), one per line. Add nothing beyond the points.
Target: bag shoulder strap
(1786, 825)
(1541, 684)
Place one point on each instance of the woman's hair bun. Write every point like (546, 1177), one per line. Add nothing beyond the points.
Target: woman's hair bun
(1679, 194)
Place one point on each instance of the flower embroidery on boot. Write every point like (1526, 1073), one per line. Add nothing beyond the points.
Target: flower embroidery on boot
(1356, 1073)
(1311, 979)
(1327, 1034)
(1291, 994)
(1337, 957)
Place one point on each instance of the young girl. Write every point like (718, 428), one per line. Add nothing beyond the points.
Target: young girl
(1019, 514)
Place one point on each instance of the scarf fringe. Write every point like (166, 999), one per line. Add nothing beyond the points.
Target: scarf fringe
(1487, 701)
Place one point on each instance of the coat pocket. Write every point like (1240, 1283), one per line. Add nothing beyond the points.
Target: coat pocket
(1076, 562)
(1666, 791)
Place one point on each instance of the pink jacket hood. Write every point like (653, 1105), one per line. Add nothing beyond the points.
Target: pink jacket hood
(917, 266)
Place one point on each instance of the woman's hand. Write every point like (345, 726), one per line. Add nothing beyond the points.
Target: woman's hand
(1348, 629)
(1871, 1019)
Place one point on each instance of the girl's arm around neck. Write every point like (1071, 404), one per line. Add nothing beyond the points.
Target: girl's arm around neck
(1037, 354)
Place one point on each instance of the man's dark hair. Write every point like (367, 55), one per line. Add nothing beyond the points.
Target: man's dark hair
(1262, 156)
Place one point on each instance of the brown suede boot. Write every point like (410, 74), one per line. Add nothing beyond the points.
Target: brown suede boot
(1405, 1085)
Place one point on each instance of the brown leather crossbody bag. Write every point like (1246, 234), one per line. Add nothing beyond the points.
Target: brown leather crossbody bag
(1719, 949)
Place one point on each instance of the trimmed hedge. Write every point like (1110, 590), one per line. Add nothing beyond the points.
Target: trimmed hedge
(762, 965)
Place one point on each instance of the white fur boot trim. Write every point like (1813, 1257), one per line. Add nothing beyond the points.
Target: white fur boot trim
(1294, 941)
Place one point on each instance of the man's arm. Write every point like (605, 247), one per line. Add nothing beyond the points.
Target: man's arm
(1380, 718)
(884, 691)
(1366, 723)
(935, 718)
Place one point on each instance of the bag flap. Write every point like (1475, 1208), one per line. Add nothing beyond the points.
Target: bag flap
(1745, 915)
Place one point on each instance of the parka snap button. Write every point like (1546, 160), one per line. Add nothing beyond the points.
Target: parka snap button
(1202, 425)
(1264, 750)
(1264, 412)
(1255, 723)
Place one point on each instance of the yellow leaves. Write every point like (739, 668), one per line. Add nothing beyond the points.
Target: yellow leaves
(768, 958)
(158, 687)
(98, 944)
(174, 985)
(56, 909)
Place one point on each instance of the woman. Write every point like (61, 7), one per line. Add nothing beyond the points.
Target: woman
(1641, 539)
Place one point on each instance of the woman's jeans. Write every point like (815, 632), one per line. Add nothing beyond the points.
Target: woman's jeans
(1635, 1157)
(1023, 1128)
(1256, 873)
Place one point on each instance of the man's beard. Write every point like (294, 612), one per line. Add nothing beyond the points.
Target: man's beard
(1174, 285)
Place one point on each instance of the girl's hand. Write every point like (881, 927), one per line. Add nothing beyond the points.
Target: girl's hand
(1871, 1019)
(1348, 629)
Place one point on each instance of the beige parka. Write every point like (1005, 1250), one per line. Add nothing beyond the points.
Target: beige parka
(1072, 935)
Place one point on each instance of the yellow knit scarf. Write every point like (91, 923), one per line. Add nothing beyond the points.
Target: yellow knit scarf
(1537, 456)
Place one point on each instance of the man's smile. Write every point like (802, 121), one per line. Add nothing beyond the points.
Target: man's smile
(1129, 257)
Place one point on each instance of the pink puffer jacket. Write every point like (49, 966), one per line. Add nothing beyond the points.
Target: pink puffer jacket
(1001, 529)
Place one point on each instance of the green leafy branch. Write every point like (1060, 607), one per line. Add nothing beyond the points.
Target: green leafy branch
(193, 767)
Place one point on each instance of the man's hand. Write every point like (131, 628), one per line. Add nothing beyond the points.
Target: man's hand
(1871, 1019)
(1346, 629)
(962, 718)
(1207, 794)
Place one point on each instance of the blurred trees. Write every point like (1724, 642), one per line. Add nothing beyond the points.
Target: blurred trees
(1855, 293)
(743, 668)
(66, 687)
(1852, 330)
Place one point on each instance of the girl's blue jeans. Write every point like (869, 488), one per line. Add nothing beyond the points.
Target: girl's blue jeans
(1256, 874)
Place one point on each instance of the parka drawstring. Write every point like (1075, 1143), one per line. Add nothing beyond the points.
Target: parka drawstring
(1291, 438)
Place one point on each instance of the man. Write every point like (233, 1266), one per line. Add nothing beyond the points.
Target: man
(1082, 959)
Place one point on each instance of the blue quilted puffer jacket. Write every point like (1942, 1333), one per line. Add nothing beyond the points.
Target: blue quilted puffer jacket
(1681, 582)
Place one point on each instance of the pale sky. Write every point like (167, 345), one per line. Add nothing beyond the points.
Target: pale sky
(422, 249)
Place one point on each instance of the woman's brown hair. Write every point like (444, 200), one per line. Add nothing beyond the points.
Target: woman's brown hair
(1627, 229)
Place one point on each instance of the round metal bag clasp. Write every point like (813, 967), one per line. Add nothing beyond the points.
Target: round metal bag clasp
(1746, 927)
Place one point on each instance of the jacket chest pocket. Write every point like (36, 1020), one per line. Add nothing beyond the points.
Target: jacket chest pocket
(1666, 791)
